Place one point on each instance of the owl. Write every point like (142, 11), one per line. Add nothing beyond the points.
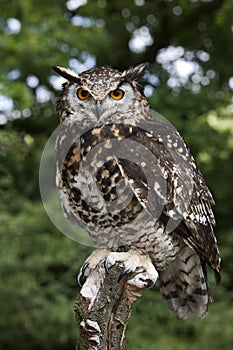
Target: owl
(129, 179)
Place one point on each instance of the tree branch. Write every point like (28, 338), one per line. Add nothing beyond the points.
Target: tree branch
(103, 307)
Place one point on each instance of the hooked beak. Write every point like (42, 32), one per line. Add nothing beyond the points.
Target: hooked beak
(98, 108)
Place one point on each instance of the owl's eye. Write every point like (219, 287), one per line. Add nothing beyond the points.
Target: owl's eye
(117, 94)
(83, 94)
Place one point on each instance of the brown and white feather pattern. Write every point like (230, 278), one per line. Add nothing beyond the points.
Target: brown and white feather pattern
(131, 181)
(183, 285)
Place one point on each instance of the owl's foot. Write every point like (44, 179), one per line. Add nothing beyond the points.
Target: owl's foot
(97, 256)
(133, 261)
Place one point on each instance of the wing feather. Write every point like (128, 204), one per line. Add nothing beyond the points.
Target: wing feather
(173, 181)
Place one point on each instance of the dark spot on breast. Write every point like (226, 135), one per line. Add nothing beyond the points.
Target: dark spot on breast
(107, 197)
(106, 182)
(85, 218)
(106, 132)
(85, 205)
(76, 194)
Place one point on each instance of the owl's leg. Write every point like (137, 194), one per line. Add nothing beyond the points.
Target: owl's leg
(133, 261)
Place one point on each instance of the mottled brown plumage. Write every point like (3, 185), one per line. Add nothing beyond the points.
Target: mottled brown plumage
(130, 181)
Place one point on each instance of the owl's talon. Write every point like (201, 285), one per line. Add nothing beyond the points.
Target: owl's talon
(151, 286)
(123, 272)
(81, 273)
(106, 264)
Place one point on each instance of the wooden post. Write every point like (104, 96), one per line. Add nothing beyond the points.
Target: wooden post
(103, 307)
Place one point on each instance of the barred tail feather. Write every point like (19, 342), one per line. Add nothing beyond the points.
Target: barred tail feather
(184, 287)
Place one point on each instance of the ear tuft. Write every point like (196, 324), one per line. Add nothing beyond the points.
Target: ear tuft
(134, 73)
(67, 73)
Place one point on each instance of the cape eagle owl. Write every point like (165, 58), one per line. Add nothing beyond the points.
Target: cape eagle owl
(129, 179)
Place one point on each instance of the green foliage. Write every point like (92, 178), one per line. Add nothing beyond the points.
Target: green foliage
(38, 264)
(38, 268)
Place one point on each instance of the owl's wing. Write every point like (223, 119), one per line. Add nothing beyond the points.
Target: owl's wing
(164, 177)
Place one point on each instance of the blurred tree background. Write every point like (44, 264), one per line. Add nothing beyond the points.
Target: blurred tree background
(190, 82)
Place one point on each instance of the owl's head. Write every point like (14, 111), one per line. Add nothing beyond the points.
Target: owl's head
(102, 95)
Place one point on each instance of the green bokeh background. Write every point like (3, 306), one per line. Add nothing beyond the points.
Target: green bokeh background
(38, 264)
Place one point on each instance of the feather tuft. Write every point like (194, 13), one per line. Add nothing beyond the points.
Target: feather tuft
(134, 73)
(67, 74)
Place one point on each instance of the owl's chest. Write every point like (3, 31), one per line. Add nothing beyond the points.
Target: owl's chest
(96, 194)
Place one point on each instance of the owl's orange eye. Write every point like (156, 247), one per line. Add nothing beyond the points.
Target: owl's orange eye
(117, 94)
(83, 94)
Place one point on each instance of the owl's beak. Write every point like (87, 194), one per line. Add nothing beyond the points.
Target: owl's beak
(98, 108)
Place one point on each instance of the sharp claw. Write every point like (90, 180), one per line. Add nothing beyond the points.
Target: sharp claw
(123, 272)
(81, 273)
(79, 278)
(152, 284)
(106, 265)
